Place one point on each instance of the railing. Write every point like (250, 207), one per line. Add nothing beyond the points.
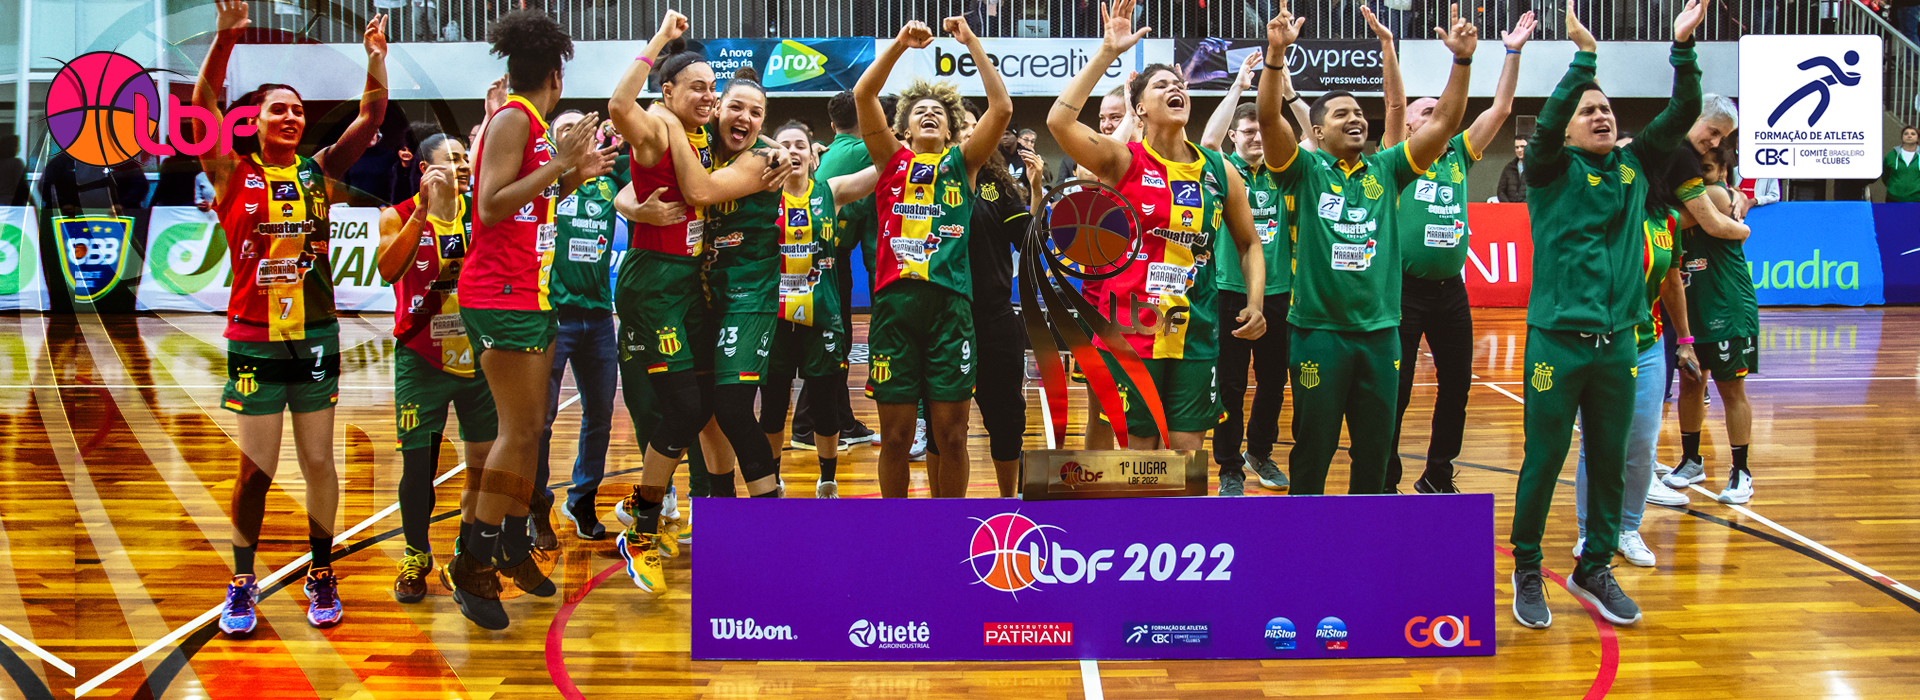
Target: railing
(1902, 80)
(339, 21)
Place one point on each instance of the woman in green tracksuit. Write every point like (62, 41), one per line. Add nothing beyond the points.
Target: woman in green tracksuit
(1589, 202)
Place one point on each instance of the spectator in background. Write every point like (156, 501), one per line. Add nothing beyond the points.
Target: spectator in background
(13, 172)
(380, 177)
(1010, 149)
(993, 17)
(1901, 172)
(1512, 188)
(1906, 16)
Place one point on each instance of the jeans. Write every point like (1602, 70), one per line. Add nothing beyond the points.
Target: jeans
(1643, 437)
(1439, 311)
(588, 343)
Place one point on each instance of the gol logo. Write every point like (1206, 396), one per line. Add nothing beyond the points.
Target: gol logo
(1072, 474)
(1446, 630)
(103, 109)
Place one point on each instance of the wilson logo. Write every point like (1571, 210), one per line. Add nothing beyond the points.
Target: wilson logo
(729, 628)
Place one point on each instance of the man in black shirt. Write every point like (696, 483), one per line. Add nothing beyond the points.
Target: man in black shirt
(1513, 189)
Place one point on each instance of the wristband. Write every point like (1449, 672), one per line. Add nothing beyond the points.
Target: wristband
(1290, 99)
(643, 58)
(1512, 51)
(1463, 60)
(1686, 341)
(1272, 67)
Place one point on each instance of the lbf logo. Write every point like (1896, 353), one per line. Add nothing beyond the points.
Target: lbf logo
(1447, 631)
(104, 109)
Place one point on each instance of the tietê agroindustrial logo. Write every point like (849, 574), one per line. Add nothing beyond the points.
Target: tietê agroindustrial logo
(103, 109)
(1010, 552)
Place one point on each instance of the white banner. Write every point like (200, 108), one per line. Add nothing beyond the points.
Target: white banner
(1030, 67)
(1810, 106)
(22, 285)
(187, 266)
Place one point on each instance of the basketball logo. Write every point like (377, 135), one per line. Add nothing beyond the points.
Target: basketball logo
(90, 108)
(1090, 230)
(1001, 553)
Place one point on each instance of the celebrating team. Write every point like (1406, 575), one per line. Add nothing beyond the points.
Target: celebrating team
(734, 286)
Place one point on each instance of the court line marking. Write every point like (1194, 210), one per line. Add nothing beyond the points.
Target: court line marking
(1250, 386)
(35, 650)
(1090, 679)
(1816, 546)
(269, 580)
(11, 586)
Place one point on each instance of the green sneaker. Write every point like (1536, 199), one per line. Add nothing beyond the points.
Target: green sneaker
(1233, 483)
(1271, 478)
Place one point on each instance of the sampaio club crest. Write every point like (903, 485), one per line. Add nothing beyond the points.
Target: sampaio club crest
(1309, 375)
(669, 341)
(1542, 377)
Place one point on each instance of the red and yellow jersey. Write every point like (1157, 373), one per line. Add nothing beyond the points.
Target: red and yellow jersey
(275, 218)
(684, 238)
(1180, 209)
(925, 206)
(509, 262)
(426, 311)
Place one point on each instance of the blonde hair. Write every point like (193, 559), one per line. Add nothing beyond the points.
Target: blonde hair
(944, 92)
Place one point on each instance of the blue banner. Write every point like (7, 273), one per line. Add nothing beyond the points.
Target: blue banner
(94, 252)
(1815, 253)
(791, 65)
(1897, 226)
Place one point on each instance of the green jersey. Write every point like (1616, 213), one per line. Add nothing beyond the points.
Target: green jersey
(584, 226)
(1346, 274)
(1588, 208)
(1900, 172)
(743, 272)
(809, 242)
(1263, 196)
(848, 154)
(1433, 215)
(1659, 258)
(1720, 301)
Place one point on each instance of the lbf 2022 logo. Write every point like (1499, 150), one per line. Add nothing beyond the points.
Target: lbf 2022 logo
(1010, 552)
(104, 109)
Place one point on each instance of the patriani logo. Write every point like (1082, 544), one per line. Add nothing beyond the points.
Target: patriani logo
(103, 109)
(1309, 375)
(1542, 377)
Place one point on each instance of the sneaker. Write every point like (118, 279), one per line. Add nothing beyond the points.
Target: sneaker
(826, 489)
(1739, 489)
(588, 528)
(1659, 495)
(643, 560)
(672, 521)
(1271, 478)
(1233, 483)
(237, 618)
(323, 598)
(1688, 473)
(1604, 593)
(918, 452)
(683, 528)
(1530, 599)
(411, 585)
(1660, 471)
(476, 587)
(1634, 548)
(528, 577)
(1579, 547)
(801, 442)
(1428, 484)
(624, 509)
(544, 538)
(859, 434)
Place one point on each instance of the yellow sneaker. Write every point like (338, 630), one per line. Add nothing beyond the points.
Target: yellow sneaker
(668, 544)
(643, 561)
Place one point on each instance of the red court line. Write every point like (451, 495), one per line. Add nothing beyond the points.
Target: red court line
(556, 638)
(1609, 641)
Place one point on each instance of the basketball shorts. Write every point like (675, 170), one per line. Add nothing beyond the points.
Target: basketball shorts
(742, 346)
(511, 329)
(265, 378)
(920, 344)
(421, 394)
(809, 351)
(1189, 394)
(662, 311)
(1730, 359)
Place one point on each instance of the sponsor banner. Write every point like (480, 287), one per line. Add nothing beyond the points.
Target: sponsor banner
(1317, 65)
(1005, 580)
(1812, 106)
(791, 65)
(356, 271)
(188, 268)
(1499, 269)
(1897, 228)
(1028, 66)
(1840, 266)
(22, 286)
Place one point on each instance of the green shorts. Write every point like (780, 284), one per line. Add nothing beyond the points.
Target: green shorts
(421, 393)
(742, 347)
(808, 351)
(1730, 359)
(508, 329)
(662, 311)
(266, 378)
(1189, 394)
(920, 344)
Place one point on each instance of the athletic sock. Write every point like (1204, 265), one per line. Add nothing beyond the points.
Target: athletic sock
(322, 551)
(1740, 460)
(416, 494)
(646, 515)
(515, 541)
(466, 532)
(721, 485)
(243, 559)
(1690, 446)
(827, 466)
(486, 542)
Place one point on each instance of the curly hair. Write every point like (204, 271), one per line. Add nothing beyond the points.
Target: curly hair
(1139, 83)
(944, 92)
(534, 45)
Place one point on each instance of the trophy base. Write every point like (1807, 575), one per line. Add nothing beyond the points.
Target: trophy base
(1058, 475)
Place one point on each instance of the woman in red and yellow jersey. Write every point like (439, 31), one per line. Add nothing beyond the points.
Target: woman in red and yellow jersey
(522, 170)
(1183, 195)
(283, 349)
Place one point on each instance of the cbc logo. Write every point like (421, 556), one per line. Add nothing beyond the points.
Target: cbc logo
(93, 251)
(1446, 631)
(1773, 156)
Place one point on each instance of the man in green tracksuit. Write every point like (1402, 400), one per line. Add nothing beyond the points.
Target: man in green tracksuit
(1588, 201)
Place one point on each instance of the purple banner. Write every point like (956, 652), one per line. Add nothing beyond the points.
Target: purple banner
(1144, 578)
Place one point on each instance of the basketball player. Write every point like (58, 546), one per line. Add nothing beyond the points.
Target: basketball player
(846, 154)
(283, 342)
(1346, 297)
(520, 175)
(1185, 195)
(423, 244)
(1433, 291)
(1722, 305)
(809, 339)
(921, 330)
(1589, 204)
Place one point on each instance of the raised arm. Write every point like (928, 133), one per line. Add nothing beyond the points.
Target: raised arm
(1545, 158)
(1222, 120)
(1487, 125)
(1462, 38)
(1669, 128)
(850, 187)
(1392, 89)
(335, 159)
(497, 193)
(1280, 145)
(874, 129)
(986, 134)
(1253, 266)
(636, 125)
(229, 19)
(748, 173)
(1105, 157)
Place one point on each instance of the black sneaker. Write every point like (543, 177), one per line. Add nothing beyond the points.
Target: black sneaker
(1428, 484)
(1233, 483)
(476, 588)
(859, 434)
(1604, 593)
(801, 442)
(586, 526)
(1530, 599)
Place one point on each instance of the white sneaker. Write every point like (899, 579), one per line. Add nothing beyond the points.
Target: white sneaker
(918, 452)
(1660, 471)
(826, 489)
(1687, 474)
(1739, 489)
(1635, 549)
(1579, 546)
(1659, 495)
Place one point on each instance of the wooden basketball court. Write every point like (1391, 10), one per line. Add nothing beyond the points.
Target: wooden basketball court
(118, 463)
